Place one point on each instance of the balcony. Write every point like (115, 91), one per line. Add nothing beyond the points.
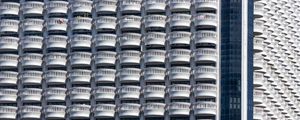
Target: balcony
(179, 5)
(205, 108)
(154, 39)
(258, 62)
(8, 25)
(179, 38)
(129, 22)
(154, 109)
(8, 112)
(8, 96)
(206, 5)
(179, 109)
(9, 60)
(154, 92)
(155, 5)
(81, 6)
(57, 7)
(206, 55)
(55, 59)
(129, 57)
(259, 9)
(258, 79)
(80, 59)
(32, 43)
(258, 27)
(129, 75)
(206, 20)
(106, 6)
(154, 56)
(30, 112)
(30, 94)
(129, 92)
(79, 93)
(9, 43)
(258, 45)
(179, 56)
(104, 110)
(155, 21)
(31, 60)
(54, 112)
(104, 75)
(81, 23)
(129, 110)
(32, 25)
(55, 77)
(55, 94)
(32, 7)
(31, 77)
(180, 20)
(9, 8)
(56, 42)
(106, 23)
(105, 40)
(205, 91)
(258, 113)
(79, 111)
(130, 40)
(206, 37)
(104, 93)
(81, 41)
(154, 74)
(179, 73)
(57, 24)
(205, 73)
(179, 91)
(104, 58)
(129, 6)
(8, 78)
(258, 96)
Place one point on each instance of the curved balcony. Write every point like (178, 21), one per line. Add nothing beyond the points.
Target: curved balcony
(206, 5)
(9, 60)
(259, 9)
(30, 112)
(206, 20)
(104, 93)
(106, 23)
(55, 94)
(103, 58)
(179, 108)
(155, 5)
(129, 6)
(205, 73)
(56, 41)
(129, 57)
(31, 60)
(54, 112)
(55, 59)
(79, 111)
(258, 62)
(106, 6)
(9, 8)
(154, 92)
(130, 39)
(205, 108)
(205, 37)
(32, 25)
(129, 92)
(179, 38)
(8, 25)
(154, 109)
(105, 40)
(81, 23)
(258, 79)
(30, 94)
(179, 91)
(32, 43)
(104, 75)
(9, 43)
(80, 41)
(32, 7)
(57, 24)
(258, 27)
(31, 77)
(205, 90)
(154, 74)
(258, 96)
(8, 112)
(129, 110)
(258, 113)
(55, 77)
(79, 93)
(258, 45)
(129, 75)
(179, 55)
(154, 38)
(81, 6)
(130, 22)
(154, 56)
(180, 20)
(155, 21)
(8, 78)
(206, 55)
(8, 95)
(104, 110)
(57, 7)
(80, 59)
(179, 5)
(179, 73)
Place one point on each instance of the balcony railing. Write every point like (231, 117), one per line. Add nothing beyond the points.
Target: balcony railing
(104, 110)
(9, 8)
(56, 41)
(104, 6)
(129, 74)
(31, 77)
(154, 109)
(205, 108)
(105, 40)
(32, 7)
(32, 42)
(154, 92)
(130, 39)
(81, 6)
(79, 111)
(9, 43)
(57, 7)
(179, 91)
(155, 38)
(155, 5)
(104, 93)
(80, 41)
(129, 92)
(79, 93)
(129, 110)
(179, 108)
(104, 75)
(8, 77)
